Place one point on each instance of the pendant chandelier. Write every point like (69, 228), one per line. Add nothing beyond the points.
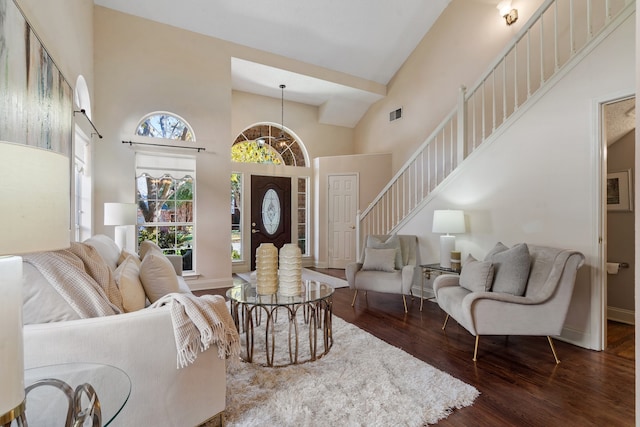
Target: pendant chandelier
(282, 138)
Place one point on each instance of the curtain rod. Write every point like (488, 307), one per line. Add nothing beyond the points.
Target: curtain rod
(84, 113)
(163, 145)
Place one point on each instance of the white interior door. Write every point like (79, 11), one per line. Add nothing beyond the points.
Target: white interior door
(343, 205)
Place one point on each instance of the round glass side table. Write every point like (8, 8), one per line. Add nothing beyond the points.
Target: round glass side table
(75, 394)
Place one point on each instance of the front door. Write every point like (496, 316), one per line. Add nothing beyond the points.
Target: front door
(270, 212)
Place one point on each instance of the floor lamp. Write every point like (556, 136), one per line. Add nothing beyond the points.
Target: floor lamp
(35, 193)
(121, 215)
(447, 222)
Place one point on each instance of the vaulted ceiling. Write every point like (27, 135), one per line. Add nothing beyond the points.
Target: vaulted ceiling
(366, 42)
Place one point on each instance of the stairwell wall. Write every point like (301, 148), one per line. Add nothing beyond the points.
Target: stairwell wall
(538, 181)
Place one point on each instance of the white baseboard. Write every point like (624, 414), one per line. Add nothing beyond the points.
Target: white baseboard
(203, 284)
(621, 315)
(576, 337)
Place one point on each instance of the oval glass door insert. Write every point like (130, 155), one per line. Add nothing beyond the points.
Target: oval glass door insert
(271, 211)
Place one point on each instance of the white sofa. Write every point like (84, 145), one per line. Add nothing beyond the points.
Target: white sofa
(140, 343)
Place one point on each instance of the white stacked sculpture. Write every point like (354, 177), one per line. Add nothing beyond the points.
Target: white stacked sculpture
(266, 269)
(290, 270)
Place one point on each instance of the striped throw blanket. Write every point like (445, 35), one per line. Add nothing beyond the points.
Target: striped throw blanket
(199, 322)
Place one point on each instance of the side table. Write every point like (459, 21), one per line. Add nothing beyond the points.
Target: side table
(435, 269)
(80, 393)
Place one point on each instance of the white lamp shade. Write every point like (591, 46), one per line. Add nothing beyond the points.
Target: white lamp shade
(120, 213)
(448, 221)
(36, 195)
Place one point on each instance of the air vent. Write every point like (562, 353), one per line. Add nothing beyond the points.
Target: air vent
(395, 114)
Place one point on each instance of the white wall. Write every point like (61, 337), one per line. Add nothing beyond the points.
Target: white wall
(538, 183)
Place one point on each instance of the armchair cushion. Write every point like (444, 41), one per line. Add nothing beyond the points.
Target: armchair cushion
(511, 268)
(379, 259)
(393, 242)
(476, 276)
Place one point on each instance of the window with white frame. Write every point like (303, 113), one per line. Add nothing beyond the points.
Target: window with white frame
(165, 195)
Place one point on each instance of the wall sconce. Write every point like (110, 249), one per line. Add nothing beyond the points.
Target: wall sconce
(507, 12)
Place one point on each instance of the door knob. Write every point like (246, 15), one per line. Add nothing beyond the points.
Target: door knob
(254, 231)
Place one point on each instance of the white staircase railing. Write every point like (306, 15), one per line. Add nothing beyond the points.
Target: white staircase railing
(561, 31)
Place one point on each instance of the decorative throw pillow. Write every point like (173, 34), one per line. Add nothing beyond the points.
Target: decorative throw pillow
(41, 301)
(158, 276)
(126, 254)
(148, 246)
(499, 247)
(127, 277)
(476, 276)
(379, 259)
(107, 248)
(511, 270)
(393, 242)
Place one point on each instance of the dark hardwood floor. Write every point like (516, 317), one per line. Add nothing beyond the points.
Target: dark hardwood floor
(519, 382)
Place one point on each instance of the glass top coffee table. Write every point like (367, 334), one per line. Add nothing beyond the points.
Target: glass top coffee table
(248, 308)
(75, 394)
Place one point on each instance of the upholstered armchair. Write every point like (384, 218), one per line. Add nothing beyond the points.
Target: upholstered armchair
(389, 264)
(486, 299)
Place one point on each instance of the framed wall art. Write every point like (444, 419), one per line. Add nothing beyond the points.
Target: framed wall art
(619, 191)
(36, 101)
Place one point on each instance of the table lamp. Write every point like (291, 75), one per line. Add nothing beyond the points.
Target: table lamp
(448, 222)
(36, 198)
(121, 215)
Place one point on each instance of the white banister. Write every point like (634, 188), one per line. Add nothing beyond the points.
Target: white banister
(459, 134)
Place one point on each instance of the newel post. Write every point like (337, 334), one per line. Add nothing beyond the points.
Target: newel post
(358, 234)
(462, 125)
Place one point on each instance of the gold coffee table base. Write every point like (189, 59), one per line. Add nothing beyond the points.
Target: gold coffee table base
(248, 309)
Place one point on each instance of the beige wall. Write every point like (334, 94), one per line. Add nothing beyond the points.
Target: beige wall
(142, 67)
(456, 51)
(318, 139)
(373, 171)
(620, 239)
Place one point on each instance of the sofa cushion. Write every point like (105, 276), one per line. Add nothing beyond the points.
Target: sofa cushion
(127, 277)
(511, 270)
(148, 246)
(393, 242)
(158, 276)
(41, 302)
(476, 276)
(379, 259)
(107, 248)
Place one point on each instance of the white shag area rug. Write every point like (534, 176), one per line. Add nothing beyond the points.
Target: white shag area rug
(362, 381)
(307, 274)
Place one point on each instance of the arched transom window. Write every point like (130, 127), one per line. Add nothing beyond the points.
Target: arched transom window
(165, 125)
(267, 144)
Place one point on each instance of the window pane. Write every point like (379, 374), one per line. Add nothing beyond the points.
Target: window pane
(167, 126)
(236, 216)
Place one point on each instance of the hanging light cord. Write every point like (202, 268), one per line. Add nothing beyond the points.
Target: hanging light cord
(282, 107)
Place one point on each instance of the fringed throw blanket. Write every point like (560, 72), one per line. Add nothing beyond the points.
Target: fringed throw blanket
(67, 274)
(199, 322)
